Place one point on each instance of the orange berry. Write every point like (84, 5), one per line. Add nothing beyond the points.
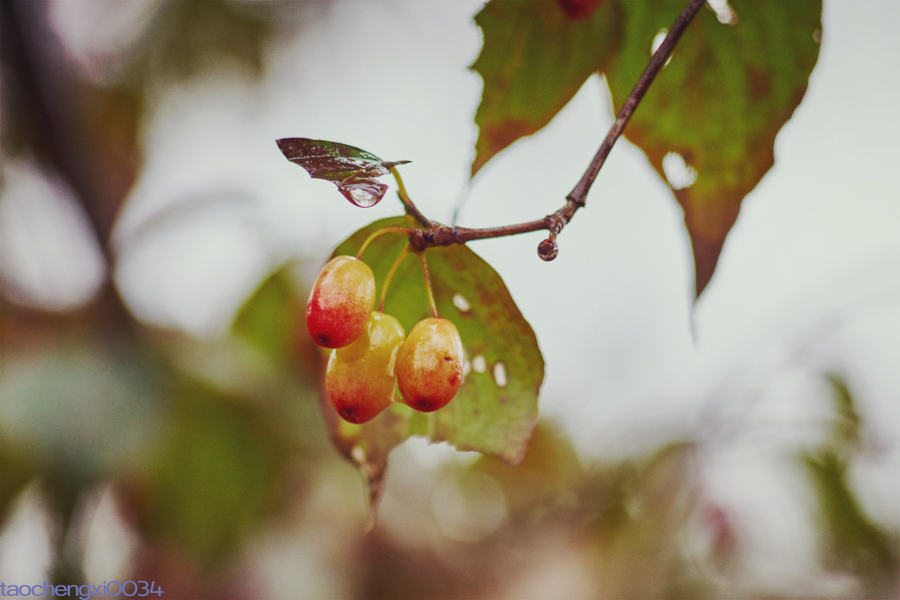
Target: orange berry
(360, 378)
(429, 366)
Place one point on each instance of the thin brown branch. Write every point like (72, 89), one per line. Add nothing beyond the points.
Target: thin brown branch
(442, 235)
(578, 195)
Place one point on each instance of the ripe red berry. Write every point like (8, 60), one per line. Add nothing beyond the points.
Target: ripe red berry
(340, 302)
(360, 377)
(429, 366)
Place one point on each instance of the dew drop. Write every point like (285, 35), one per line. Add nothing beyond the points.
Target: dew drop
(500, 374)
(460, 302)
(363, 198)
(479, 365)
(679, 174)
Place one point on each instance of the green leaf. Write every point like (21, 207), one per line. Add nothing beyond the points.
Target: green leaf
(269, 319)
(533, 61)
(854, 541)
(17, 470)
(352, 170)
(184, 39)
(495, 410)
(61, 403)
(216, 475)
(718, 104)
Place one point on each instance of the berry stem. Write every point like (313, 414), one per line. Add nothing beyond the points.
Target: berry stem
(378, 233)
(390, 275)
(428, 289)
(432, 425)
(410, 206)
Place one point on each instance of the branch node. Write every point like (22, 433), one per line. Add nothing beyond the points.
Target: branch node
(417, 239)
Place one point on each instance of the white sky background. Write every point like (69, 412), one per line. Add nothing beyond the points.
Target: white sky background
(810, 274)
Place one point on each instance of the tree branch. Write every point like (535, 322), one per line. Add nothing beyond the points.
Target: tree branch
(442, 235)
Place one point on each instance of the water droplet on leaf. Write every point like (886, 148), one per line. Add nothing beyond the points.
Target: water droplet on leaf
(363, 198)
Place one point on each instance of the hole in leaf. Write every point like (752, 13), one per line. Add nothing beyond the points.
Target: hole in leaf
(479, 365)
(679, 174)
(460, 302)
(724, 13)
(466, 367)
(500, 374)
(657, 42)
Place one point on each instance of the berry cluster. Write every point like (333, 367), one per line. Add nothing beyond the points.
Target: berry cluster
(370, 356)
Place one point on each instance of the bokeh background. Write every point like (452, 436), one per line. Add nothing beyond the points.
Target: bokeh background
(159, 407)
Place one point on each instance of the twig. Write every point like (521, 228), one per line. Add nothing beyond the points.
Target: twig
(410, 206)
(442, 235)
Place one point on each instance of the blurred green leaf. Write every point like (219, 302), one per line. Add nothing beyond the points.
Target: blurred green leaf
(187, 37)
(269, 319)
(495, 410)
(854, 542)
(352, 170)
(548, 477)
(847, 424)
(61, 407)
(216, 475)
(533, 61)
(718, 104)
(15, 472)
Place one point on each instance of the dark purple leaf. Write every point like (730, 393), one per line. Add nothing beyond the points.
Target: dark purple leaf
(352, 170)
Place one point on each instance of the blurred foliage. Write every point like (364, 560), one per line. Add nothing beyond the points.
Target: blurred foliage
(229, 475)
(185, 39)
(854, 543)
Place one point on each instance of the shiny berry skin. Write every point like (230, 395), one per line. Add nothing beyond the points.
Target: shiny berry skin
(360, 377)
(429, 366)
(340, 302)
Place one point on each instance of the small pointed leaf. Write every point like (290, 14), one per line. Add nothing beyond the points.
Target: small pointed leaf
(352, 170)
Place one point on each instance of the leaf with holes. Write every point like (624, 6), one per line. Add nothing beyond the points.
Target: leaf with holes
(710, 119)
(495, 409)
(536, 55)
(352, 170)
